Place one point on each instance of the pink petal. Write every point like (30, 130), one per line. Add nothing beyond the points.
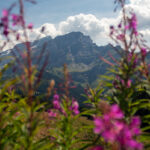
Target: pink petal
(5, 13)
(30, 26)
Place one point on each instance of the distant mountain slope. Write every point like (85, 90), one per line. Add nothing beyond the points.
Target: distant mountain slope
(77, 51)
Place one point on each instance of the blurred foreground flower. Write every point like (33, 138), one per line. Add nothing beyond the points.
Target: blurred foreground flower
(58, 106)
(114, 129)
(97, 148)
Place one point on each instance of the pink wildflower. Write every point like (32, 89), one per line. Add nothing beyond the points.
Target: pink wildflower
(108, 125)
(51, 113)
(97, 148)
(128, 83)
(112, 30)
(111, 27)
(98, 125)
(119, 25)
(122, 82)
(63, 111)
(134, 125)
(127, 27)
(6, 32)
(115, 112)
(30, 26)
(132, 58)
(132, 24)
(115, 84)
(17, 36)
(121, 37)
(143, 52)
(5, 22)
(75, 107)
(56, 102)
(56, 97)
(16, 19)
(5, 13)
(114, 129)
(17, 114)
(127, 134)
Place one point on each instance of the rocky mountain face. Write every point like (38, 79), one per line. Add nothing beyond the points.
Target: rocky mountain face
(74, 49)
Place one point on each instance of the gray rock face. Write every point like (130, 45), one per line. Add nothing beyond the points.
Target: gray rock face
(74, 49)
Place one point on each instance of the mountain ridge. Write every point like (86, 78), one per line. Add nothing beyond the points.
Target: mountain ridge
(74, 49)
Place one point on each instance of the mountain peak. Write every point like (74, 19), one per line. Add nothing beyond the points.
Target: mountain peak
(75, 37)
(77, 34)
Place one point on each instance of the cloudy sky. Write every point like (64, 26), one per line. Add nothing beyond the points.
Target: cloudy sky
(92, 17)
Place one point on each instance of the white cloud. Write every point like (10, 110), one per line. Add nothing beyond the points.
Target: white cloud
(97, 29)
(140, 3)
(50, 29)
(87, 24)
(142, 10)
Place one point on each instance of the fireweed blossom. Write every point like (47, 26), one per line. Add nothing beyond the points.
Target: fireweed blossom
(30, 26)
(97, 148)
(132, 57)
(120, 37)
(119, 81)
(113, 129)
(16, 19)
(11, 20)
(132, 24)
(5, 13)
(109, 125)
(127, 134)
(5, 22)
(52, 113)
(56, 102)
(57, 105)
(75, 107)
(129, 83)
(143, 52)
